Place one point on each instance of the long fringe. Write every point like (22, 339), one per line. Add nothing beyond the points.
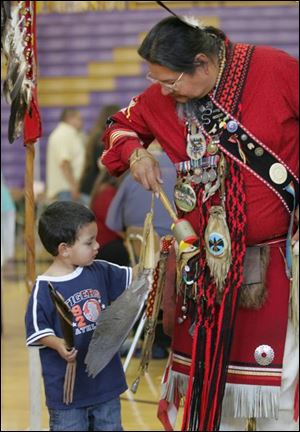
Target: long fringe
(251, 401)
(177, 383)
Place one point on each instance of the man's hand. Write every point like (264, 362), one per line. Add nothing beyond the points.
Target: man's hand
(145, 169)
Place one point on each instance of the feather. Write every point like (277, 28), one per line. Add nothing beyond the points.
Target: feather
(5, 15)
(14, 82)
(65, 315)
(17, 89)
(190, 21)
(115, 323)
(16, 119)
(66, 322)
(193, 22)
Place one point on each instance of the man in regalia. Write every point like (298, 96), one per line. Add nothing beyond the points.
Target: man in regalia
(227, 116)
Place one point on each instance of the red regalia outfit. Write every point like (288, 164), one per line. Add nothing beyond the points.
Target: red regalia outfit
(231, 342)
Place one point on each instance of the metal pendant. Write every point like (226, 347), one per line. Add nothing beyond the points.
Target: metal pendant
(232, 126)
(212, 175)
(205, 177)
(197, 176)
(212, 147)
(210, 189)
(196, 146)
(185, 197)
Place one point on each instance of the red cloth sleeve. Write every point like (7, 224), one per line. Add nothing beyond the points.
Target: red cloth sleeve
(128, 132)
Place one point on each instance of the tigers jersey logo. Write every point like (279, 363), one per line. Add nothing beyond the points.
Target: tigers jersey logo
(91, 310)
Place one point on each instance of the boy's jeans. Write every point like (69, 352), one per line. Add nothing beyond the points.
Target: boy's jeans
(105, 416)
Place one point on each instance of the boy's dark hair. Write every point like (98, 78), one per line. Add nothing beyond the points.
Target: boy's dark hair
(174, 44)
(60, 223)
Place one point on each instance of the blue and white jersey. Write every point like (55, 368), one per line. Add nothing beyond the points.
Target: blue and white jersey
(86, 291)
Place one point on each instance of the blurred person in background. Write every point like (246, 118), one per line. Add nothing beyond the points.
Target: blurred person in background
(8, 228)
(65, 158)
(132, 202)
(8, 224)
(112, 247)
(94, 149)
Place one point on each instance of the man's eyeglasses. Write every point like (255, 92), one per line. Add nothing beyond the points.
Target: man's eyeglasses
(168, 86)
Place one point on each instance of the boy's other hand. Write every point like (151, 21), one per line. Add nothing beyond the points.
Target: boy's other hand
(67, 354)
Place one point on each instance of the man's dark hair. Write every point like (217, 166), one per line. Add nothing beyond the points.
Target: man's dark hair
(174, 44)
(60, 223)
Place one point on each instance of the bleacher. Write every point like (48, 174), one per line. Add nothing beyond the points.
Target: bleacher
(88, 60)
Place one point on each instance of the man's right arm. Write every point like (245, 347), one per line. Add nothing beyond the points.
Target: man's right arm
(126, 140)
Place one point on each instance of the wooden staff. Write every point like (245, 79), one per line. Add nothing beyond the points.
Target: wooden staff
(29, 217)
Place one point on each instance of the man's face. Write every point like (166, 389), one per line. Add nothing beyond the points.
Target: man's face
(76, 121)
(185, 86)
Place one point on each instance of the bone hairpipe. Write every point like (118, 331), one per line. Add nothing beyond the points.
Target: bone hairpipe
(166, 203)
(182, 229)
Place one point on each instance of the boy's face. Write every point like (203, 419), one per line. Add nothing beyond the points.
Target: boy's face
(85, 248)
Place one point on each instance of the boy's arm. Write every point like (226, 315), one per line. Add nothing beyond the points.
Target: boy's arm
(58, 344)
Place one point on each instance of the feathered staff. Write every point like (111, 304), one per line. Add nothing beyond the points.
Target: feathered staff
(18, 45)
(66, 321)
(17, 87)
(115, 322)
(153, 307)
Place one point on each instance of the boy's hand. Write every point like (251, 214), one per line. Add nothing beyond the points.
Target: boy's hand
(66, 354)
(59, 345)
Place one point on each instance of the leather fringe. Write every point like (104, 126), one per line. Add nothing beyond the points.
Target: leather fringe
(251, 401)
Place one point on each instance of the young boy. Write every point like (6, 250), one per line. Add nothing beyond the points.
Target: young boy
(68, 232)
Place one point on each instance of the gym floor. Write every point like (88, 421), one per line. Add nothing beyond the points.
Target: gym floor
(138, 410)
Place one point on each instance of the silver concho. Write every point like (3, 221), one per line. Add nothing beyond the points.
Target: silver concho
(185, 197)
(264, 355)
(278, 173)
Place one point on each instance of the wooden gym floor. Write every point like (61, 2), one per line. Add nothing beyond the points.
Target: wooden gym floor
(138, 410)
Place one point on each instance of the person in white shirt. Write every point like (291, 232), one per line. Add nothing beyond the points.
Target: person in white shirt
(65, 157)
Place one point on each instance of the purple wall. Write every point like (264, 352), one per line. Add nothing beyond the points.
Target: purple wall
(68, 42)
